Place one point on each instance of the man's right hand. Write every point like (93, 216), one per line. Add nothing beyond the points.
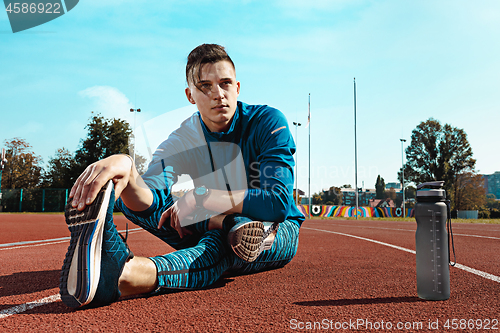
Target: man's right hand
(116, 167)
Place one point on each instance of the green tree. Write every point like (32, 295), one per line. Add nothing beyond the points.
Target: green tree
(380, 188)
(59, 170)
(437, 152)
(105, 137)
(23, 168)
(492, 202)
(410, 192)
(492, 206)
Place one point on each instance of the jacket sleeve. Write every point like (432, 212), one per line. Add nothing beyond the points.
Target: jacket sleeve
(269, 198)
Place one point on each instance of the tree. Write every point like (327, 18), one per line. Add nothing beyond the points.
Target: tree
(391, 194)
(437, 152)
(105, 137)
(468, 192)
(410, 192)
(317, 199)
(22, 169)
(333, 196)
(492, 206)
(59, 171)
(380, 188)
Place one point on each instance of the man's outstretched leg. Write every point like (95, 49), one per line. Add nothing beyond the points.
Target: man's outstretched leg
(96, 255)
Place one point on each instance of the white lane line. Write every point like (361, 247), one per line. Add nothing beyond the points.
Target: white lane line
(20, 245)
(459, 266)
(478, 272)
(28, 306)
(32, 245)
(47, 300)
(381, 228)
(34, 242)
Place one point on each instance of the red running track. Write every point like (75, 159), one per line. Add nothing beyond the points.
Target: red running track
(335, 281)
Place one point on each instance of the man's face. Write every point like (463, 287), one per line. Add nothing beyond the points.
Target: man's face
(215, 95)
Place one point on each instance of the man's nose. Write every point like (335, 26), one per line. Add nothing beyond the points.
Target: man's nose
(218, 92)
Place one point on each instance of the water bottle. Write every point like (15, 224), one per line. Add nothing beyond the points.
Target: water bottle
(433, 271)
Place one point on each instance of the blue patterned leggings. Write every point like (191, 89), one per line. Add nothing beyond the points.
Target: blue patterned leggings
(202, 258)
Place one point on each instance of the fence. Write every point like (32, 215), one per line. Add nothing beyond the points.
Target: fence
(349, 211)
(467, 214)
(34, 200)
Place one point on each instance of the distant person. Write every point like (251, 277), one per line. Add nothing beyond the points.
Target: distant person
(239, 218)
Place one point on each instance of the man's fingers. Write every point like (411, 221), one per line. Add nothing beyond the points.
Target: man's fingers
(78, 187)
(163, 218)
(119, 187)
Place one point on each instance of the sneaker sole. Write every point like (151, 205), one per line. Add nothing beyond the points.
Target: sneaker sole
(246, 239)
(250, 239)
(82, 264)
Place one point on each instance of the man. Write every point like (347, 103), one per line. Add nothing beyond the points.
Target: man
(240, 158)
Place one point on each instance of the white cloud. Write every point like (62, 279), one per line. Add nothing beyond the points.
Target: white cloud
(109, 102)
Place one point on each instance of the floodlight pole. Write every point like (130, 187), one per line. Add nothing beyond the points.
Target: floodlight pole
(135, 113)
(403, 176)
(309, 123)
(355, 154)
(3, 161)
(296, 164)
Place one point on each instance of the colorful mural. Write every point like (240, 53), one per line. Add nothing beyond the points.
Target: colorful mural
(349, 211)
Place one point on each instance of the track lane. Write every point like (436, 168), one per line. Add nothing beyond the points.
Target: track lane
(333, 277)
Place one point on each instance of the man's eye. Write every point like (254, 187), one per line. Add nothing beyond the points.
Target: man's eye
(206, 85)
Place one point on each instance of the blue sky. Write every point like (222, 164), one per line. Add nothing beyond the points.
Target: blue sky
(412, 60)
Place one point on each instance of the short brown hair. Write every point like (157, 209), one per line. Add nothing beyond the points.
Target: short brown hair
(204, 54)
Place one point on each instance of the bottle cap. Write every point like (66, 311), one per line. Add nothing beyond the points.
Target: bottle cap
(431, 191)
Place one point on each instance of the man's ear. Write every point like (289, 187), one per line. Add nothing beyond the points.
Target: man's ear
(189, 96)
(238, 87)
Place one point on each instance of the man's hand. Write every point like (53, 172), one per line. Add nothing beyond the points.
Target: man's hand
(178, 212)
(87, 186)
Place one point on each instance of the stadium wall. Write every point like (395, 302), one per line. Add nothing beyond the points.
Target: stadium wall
(349, 211)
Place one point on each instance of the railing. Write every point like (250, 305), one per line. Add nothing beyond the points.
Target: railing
(34, 200)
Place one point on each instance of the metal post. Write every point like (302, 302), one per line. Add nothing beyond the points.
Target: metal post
(21, 201)
(296, 166)
(309, 124)
(355, 153)
(403, 176)
(135, 113)
(3, 162)
(43, 200)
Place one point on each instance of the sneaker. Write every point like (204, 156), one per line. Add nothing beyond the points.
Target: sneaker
(95, 247)
(249, 238)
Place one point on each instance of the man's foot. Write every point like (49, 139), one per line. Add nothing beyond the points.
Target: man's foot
(96, 254)
(249, 238)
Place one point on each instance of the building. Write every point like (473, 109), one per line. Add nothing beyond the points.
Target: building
(492, 184)
(364, 196)
(396, 186)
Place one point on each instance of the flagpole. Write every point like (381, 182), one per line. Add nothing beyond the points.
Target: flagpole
(355, 154)
(309, 125)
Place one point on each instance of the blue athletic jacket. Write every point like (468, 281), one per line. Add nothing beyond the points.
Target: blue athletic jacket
(255, 154)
